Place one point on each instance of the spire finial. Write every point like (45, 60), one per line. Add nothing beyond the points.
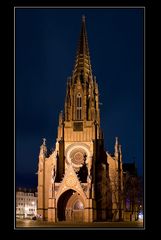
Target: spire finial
(116, 142)
(44, 141)
(83, 18)
(116, 147)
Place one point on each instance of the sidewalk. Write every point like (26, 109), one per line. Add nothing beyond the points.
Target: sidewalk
(69, 225)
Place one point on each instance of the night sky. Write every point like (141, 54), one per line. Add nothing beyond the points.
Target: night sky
(45, 47)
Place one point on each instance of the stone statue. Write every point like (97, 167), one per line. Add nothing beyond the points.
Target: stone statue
(89, 179)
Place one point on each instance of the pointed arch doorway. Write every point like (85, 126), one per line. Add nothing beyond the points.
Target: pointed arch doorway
(70, 207)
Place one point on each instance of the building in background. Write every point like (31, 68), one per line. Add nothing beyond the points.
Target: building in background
(26, 203)
(79, 181)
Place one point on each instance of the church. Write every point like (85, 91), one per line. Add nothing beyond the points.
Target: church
(80, 181)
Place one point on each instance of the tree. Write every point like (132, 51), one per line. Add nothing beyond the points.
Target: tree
(132, 193)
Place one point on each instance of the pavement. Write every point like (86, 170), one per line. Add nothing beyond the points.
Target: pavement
(34, 224)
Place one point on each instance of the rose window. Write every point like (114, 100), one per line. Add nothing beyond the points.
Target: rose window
(78, 158)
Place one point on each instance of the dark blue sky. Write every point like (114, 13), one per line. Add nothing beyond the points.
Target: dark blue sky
(46, 44)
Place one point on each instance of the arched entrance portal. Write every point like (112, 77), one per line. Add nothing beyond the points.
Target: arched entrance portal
(70, 207)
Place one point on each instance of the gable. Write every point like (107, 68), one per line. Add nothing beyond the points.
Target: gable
(70, 181)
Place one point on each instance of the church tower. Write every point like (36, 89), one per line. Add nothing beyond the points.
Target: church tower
(75, 181)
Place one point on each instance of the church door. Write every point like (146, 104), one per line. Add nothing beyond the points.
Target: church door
(70, 207)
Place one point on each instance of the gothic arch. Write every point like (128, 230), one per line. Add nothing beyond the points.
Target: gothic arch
(80, 193)
(66, 210)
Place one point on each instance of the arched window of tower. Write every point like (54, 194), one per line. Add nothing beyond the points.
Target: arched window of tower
(78, 107)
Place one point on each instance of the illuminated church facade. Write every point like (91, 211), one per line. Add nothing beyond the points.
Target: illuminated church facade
(79, 181)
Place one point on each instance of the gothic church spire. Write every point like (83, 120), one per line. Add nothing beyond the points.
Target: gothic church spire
(82, 68)
(82, 96)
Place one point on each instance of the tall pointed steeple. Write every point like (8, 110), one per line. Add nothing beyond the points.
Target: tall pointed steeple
(82, 69)
(82, 96)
